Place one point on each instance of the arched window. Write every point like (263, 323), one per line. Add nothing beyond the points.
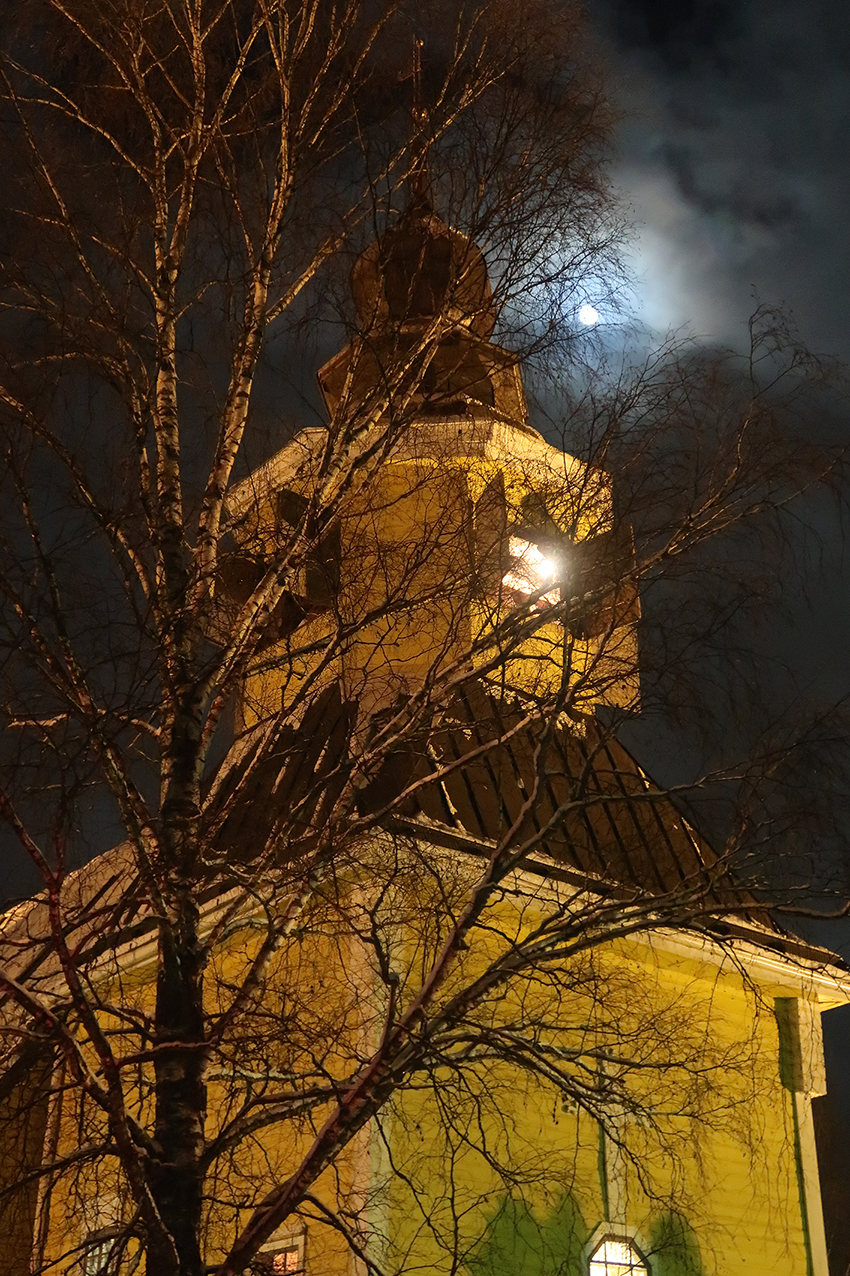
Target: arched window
(617, 1256)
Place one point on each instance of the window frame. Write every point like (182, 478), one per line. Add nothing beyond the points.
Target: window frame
(99, 1257)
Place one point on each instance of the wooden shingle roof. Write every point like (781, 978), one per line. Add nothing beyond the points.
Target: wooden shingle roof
(484, 771)
(486, 768)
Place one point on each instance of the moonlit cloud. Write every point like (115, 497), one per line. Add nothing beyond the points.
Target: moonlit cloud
(689, 271)
(733, 159)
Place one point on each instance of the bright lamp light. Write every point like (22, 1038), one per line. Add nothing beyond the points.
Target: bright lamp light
(530, 570)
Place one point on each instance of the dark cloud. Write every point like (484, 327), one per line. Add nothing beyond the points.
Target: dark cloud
(733, 154)
(677, 33)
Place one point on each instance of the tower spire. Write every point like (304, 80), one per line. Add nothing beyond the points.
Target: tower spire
(419, 173)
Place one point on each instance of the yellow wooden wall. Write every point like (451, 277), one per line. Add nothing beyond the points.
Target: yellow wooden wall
(714, 1141)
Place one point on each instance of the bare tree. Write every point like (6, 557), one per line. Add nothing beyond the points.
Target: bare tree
(332, 696)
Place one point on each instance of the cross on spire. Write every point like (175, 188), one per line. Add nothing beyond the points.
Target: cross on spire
(419, 115)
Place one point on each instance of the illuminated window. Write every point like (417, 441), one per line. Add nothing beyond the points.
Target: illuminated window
(617, 1256)
(286, 1262)
(530, 570)
(99, 1251)
(285, 1259)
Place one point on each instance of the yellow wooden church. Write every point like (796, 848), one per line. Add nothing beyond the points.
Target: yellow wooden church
(614, 1075)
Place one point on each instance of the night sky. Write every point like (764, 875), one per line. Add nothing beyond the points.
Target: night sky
(733, 154)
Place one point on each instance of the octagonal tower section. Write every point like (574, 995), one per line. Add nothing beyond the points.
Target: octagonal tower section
(428, 531)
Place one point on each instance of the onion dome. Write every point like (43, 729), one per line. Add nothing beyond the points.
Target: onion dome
(419, 268)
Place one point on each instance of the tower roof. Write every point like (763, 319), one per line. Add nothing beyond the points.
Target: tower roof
(419, 268)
